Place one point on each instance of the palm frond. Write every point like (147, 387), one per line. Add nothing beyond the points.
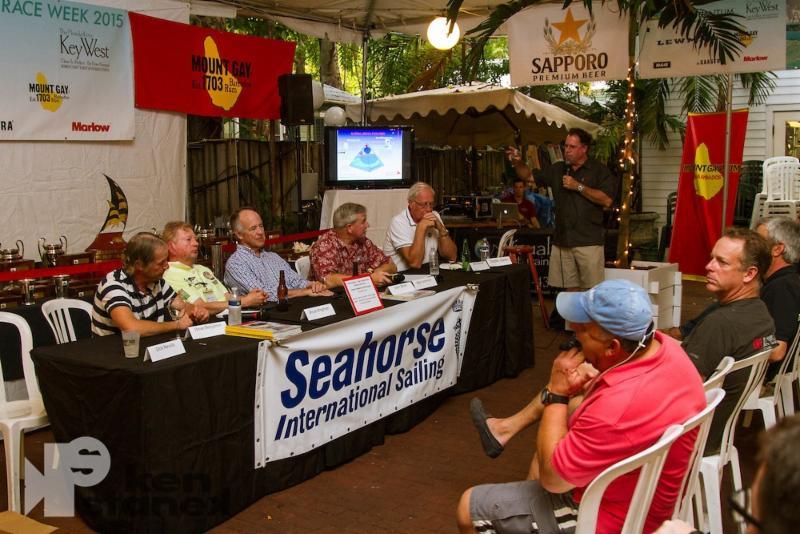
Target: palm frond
(759, 84)
(652, 96)
(700, 93)
(719, 32)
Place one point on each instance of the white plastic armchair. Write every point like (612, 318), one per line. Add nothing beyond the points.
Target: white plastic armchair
(57, 313)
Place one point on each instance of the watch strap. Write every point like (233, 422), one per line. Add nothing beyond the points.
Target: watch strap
(549, 397)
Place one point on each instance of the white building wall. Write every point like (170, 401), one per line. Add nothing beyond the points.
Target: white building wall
(660, 168)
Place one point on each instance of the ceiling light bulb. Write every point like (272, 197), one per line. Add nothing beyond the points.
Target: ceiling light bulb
(438, 36)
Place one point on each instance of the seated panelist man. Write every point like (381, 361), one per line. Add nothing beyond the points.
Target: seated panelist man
(418, 230)
(335, 253)
(135, 297)
(250, 267)
(197, 283)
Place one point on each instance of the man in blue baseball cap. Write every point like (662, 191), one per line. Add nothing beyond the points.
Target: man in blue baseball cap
(646, 383)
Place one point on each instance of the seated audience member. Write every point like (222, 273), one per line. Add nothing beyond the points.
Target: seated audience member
(418, 231)
(527, 211)
(251, 268)
(193, 282)
(775, 492)
(616, 419)
(336, 252)
(781, 289)
(737, 325)
(135, 297)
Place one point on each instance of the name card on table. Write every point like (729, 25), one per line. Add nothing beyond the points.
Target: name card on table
(202, 331)
(499, 262)
(362, 294)
(318, 312)
(424, 282)
(477, 266)
(163, 351)
(402, 289)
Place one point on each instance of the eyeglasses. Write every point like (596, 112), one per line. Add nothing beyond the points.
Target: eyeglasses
(740, 504)
(428, 205)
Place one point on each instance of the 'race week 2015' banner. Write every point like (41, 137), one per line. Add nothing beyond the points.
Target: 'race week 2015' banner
(698, 213)
(66, 72)
(665, 52)
(551, 45)
(201, 71)
(328, 382)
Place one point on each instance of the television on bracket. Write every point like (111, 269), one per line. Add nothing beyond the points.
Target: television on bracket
(368, 156)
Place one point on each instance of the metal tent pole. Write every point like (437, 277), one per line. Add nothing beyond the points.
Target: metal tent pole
(727, 153)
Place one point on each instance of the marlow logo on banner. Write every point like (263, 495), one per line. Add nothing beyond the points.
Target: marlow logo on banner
(331, 381)
(548, 44)
(698, 213)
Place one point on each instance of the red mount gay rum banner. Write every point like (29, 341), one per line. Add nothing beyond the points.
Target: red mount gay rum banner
(698, 213)
(178, 67)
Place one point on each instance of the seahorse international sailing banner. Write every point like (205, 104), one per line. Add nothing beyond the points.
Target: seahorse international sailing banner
(551, 45)
(67, 72)
(325, 383)
(201, 71)
(698, 213)
(666, 53)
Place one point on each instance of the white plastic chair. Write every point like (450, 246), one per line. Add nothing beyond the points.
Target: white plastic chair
(303, 266)
(58, 316)
(711, 466)
(780, 177)
(701, 421)
(21, 415)
(651, 460)
(506, 240)
(773, 407)
(718, 376)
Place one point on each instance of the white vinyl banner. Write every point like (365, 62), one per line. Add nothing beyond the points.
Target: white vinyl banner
(551, 45)
(666, 53)
(67, 72)
(322, 384)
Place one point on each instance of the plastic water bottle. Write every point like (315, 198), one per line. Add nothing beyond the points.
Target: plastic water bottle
(433, 265)
(483, 249)
(234, 308)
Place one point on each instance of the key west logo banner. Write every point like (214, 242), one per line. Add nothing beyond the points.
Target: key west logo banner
(330, 381)
(66, 72)
(698, 213)
(549, 45)
(664, 52)
(207, 72)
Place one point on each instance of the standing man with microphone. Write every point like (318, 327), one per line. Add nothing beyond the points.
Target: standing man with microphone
(582, 187)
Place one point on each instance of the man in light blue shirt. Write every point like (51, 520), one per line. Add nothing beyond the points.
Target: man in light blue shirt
(250, 267)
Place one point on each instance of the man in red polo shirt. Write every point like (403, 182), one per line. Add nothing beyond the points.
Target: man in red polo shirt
(646, 384)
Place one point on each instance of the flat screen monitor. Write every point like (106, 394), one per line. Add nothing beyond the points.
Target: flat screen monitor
(367, 156)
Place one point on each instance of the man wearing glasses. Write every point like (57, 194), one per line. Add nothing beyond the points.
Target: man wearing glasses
(582, 187)
(197, 283)
(418, 231)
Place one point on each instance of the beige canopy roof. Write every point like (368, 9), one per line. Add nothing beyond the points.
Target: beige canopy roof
(473, 115)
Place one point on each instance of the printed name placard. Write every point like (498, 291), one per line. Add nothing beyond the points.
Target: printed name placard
(318, 312)
(477, 266)
(202, 331)
(362, 294)
(401, 289)
(163, 351)
(499, 262)
(424, 282)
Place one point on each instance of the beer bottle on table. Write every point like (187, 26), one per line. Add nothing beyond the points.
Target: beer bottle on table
(283, 293)
(465, 255)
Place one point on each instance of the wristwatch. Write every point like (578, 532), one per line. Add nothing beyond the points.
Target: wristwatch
(551, 398)
(580, 188)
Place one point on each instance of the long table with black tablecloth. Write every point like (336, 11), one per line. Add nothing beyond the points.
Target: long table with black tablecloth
(180, 432)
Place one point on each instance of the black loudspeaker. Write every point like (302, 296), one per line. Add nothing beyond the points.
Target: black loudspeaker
(297, 99)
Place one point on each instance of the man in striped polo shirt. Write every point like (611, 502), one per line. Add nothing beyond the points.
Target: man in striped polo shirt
(136, 296)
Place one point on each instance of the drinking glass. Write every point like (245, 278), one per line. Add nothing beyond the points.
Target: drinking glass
(176, 315)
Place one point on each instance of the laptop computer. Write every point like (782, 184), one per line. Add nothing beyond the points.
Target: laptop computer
(505, 211)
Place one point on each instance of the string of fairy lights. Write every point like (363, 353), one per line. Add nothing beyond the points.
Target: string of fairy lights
(627, 163)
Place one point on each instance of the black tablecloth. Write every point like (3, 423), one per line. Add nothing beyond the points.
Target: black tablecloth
(180, 432)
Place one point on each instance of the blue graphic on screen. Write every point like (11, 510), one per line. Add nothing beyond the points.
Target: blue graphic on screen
(369, 154)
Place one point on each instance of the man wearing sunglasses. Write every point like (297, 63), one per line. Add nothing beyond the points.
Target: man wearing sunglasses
(418, 231)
